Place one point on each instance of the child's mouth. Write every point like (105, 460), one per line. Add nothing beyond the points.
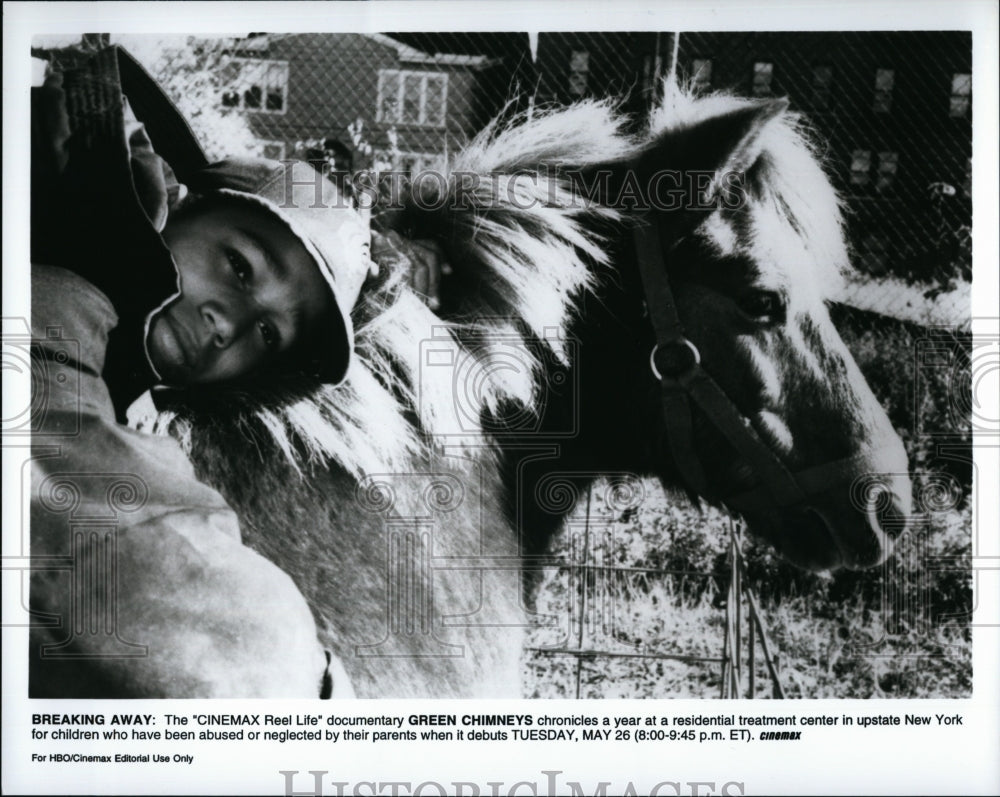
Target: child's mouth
(169, 347)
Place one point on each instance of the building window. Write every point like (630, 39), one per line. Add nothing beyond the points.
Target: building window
(888, 164)
(701, 75)
(579, 70)
(961, 95)
(416, 162)
(275, 150)
(763, 71)
(822, 82)
(256, 85)
(885, 79)
(411, 163)
(412, 98)
(967, 182)
(861, 163)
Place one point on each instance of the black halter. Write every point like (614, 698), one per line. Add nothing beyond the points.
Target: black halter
(676, 363)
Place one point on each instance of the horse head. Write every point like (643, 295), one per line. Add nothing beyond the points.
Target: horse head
(762, 406)
(690, 266)
(730, 221)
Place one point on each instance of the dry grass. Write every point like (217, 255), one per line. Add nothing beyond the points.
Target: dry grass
(828, 644)
(901, 630)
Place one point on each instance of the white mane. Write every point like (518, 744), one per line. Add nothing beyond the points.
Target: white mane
(787, 179)
(529, 230)
(532, 236)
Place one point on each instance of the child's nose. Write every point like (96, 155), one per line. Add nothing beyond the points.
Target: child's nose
(226, 321)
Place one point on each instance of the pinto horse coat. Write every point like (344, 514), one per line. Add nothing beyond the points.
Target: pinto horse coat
(407, 503)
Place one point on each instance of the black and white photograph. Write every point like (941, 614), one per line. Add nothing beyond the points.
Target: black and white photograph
(527, 392)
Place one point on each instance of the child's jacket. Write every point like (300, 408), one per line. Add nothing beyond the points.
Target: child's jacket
(103, 134)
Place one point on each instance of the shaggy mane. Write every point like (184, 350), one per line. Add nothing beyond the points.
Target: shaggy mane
(788, 178)
(530, 232)
(530, 237)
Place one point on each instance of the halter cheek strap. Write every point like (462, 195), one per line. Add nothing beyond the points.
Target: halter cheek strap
(676, 362)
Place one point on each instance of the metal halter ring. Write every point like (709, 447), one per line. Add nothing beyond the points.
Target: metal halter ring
(681, 356)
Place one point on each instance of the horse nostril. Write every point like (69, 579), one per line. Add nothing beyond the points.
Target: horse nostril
(888, 512)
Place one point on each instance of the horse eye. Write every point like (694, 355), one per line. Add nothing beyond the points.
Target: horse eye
(766, 306)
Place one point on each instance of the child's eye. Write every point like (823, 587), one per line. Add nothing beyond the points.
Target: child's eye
(239, 265)
(268, 334)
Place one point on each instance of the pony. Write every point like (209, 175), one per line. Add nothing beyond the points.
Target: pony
(622, 305)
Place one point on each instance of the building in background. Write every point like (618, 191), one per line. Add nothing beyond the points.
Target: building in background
(366, 99)
(893, 109)
(575, 66)
(895, 112)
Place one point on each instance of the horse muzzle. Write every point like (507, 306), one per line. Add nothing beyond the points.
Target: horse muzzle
(877, 512)
(848, 514)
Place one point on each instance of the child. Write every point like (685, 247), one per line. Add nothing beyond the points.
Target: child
(255, 271)
(270, 259)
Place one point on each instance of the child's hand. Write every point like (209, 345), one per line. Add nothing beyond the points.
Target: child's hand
(426, 263)
(429, 265)
(50, 121)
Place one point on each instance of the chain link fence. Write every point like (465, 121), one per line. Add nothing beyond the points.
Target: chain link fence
(620, 616)
(892, 110)
(893, 114)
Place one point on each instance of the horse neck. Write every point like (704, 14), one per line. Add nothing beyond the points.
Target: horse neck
(600, 421)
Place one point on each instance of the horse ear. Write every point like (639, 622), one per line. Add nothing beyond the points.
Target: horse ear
(727, 141)
(730, 141)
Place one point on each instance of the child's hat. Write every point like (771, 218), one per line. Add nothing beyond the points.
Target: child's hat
(332, 230)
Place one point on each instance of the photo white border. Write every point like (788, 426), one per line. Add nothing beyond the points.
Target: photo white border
(892, 761)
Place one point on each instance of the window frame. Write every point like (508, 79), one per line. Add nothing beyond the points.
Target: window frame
(760, 72)
(860, 177)
(401, 75)
(886, 169)
(882, 96)
(242, 85)
(578, 73)
(960, 98)
(701, 74)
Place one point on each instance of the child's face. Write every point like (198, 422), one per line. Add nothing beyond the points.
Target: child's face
(250, 292)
